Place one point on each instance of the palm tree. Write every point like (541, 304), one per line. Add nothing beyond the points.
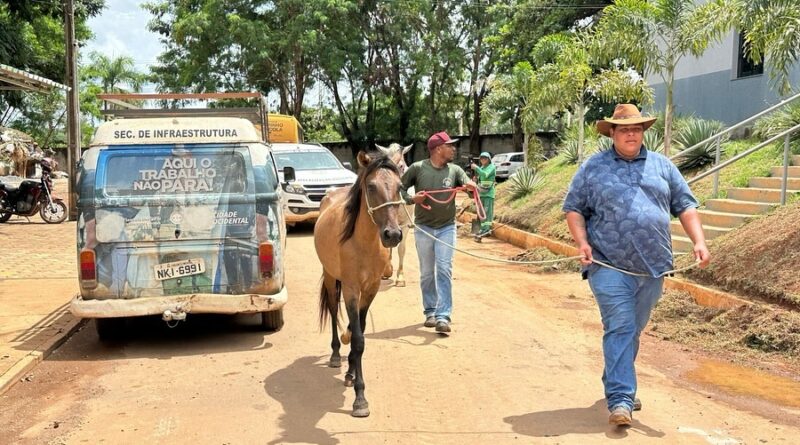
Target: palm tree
(567, 77)
(655, 35)
(115, 75)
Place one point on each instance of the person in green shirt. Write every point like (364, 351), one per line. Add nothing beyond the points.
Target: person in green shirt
(484, 177)
(438, 221)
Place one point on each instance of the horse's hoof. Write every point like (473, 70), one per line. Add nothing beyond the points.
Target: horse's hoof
(335, 363)
(348, 380)
(400, 284)
(361, 409)
(361, 412)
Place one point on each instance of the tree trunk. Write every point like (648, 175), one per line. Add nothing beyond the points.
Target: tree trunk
(581, 109)
(475, 127)
(525, 144)
(517, 137)
(668, 116)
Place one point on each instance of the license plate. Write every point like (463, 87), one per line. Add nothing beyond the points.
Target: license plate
(179, 269)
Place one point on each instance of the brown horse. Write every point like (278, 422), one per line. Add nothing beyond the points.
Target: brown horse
(352, 236)
(396, 153)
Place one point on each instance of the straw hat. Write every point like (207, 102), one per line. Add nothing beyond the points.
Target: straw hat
(624, 114)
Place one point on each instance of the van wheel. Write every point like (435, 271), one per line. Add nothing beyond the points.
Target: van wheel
(110, 329)
(272, 320)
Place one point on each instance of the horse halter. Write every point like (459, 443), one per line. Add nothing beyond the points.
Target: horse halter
(371, 210)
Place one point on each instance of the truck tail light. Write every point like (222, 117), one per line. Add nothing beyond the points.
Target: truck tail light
(266, 259)
(88, 268)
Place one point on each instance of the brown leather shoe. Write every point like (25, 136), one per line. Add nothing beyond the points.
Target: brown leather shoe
(620, 416)
(442, 326)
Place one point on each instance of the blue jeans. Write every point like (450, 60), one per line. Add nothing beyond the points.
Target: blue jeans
(625, 304)
(436, 270)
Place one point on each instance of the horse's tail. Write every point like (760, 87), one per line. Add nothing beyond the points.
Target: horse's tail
(328, 302)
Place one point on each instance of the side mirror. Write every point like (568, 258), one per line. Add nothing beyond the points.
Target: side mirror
(288, 174)
(348, 165)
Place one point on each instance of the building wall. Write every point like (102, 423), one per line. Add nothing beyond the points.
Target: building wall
(707, 86)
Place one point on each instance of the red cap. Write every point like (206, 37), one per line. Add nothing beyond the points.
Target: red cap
(440, 138)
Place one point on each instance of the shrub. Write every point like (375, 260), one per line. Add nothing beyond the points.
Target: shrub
(780, 121)
(524, 182)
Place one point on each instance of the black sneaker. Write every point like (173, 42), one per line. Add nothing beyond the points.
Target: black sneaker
(442, 326)
(430, 322)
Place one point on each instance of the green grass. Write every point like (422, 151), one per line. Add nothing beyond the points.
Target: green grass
(739, 173)
(541, 212)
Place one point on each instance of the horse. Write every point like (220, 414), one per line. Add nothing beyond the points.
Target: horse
(352, 236)
(396, 153)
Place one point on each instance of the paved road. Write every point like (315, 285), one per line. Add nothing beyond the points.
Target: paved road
(522, 366)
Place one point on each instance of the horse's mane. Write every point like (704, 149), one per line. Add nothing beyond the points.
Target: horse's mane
(353, 205)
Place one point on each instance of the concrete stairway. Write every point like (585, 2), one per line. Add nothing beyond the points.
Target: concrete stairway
(720, 216)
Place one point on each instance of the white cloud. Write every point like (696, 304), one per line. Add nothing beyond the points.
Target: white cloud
(121, 30)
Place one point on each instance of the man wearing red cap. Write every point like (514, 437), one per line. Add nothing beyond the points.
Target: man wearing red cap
(436, 226)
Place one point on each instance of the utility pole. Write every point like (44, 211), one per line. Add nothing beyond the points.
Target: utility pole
(73, 111)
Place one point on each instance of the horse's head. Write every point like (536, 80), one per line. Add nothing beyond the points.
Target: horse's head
(396, 153)
(379, 184)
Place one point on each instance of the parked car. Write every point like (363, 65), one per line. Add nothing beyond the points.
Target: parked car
(508, 163)
(316, 171)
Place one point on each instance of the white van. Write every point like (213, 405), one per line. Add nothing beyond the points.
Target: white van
(316, 171)
(179, 215)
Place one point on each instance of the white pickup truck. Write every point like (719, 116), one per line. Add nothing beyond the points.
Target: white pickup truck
(317, 170)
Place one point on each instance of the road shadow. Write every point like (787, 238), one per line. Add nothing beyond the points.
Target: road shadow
(307, 390)
(589, 420)
(150, 337)
(427, 336)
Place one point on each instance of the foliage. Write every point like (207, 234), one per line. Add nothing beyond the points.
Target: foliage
(691, 131)
(654, 36)
(113, 74)
(772, 30)
(524, 182)
(32, 39)
(568, 77)
(780, 121)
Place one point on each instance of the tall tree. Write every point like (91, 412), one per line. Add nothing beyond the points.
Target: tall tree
(113, 74)
(568, 77)
(655, 35)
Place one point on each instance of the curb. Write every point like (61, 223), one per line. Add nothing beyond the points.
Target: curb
(33, 358)
(704, 296)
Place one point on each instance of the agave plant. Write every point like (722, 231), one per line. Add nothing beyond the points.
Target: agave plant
(654, 141)
(524, 182)
(691, 131)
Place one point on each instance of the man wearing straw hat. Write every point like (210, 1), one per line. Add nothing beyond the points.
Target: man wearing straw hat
(618, 211)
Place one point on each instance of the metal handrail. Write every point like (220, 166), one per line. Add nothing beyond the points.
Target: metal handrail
(785, 179)
(736, 126)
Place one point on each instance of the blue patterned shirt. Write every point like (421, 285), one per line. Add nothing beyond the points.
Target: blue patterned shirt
(627, 206)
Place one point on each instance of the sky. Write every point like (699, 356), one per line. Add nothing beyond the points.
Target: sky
(121, 30)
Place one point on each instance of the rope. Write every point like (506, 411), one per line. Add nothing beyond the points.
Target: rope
(541, 262)
(479, 210)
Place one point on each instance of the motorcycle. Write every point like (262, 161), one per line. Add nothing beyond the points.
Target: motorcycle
(31, 197)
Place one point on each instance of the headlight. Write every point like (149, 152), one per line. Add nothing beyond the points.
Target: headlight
(294, 188)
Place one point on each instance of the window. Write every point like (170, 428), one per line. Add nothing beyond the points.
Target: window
(746, 67)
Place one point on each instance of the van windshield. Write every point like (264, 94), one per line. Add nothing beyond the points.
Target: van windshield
(306, 160)
(133, 174)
